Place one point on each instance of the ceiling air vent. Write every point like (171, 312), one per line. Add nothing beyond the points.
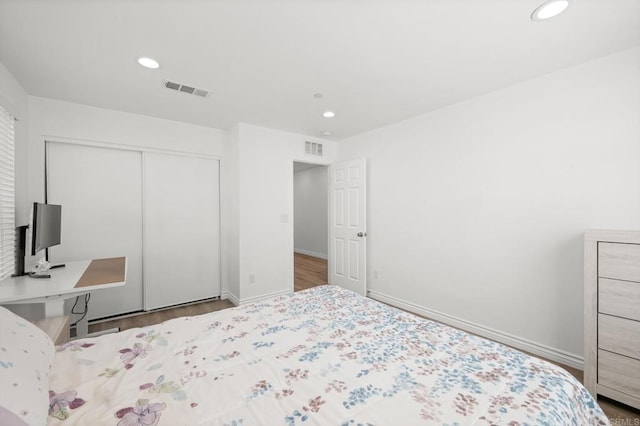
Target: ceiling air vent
(179, 87)
(313, 148)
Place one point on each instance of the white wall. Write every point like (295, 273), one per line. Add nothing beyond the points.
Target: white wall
(478, 210)
(265, 216)
(310, 211)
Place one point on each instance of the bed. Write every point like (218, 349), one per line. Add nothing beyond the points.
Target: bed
(324, 356)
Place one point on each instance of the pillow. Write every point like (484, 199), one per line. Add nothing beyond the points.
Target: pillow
(26, 355)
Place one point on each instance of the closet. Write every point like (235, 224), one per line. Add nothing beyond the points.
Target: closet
(181, 229)
(161, 210)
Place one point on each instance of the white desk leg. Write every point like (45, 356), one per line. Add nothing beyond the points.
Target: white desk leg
(54, 308)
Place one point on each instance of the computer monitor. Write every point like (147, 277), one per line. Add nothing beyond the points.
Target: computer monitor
(45, 226)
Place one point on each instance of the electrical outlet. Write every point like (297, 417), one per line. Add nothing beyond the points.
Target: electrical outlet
(252, 279)
(376, 275)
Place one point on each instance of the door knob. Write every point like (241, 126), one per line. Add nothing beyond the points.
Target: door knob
(361, 234)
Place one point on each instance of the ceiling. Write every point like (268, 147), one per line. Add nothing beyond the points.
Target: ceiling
(375, 62)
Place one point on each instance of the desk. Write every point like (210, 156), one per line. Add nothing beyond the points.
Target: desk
(75, 279)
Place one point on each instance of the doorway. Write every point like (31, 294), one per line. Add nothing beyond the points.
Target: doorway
(310, 225)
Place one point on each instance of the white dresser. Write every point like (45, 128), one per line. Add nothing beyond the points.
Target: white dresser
(612, 315)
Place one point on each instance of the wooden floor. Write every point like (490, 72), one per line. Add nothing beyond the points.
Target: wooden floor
(156, 317)
(310, 272)
(618, 413)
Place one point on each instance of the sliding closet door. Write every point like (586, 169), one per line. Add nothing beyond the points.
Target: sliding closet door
(100, 190)
(181, 229)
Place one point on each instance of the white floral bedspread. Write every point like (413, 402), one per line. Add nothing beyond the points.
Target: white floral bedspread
(325, 356)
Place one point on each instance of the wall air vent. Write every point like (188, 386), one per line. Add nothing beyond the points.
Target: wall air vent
(179, 87)
(313, 148)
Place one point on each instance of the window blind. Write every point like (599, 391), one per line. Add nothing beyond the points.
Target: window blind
(7, 196)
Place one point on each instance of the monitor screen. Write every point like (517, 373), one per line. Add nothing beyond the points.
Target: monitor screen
(45, 227)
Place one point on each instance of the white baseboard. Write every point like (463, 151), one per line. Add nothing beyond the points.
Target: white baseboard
(232, 297)
(264, 296)
(311, 253)
(535, 348)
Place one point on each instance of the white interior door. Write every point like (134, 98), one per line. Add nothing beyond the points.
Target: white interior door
(348, 225)
(100, 190)
(181, 229)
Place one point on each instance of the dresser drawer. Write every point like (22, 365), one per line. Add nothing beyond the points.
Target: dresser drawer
(619, 298)
(619, 335)
(619, 372)
(619, 261)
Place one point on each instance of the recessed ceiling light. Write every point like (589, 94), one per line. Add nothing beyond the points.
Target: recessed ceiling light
(327, 133)
(549, 9)
(148, 63)
(318, 95)
(328, 114)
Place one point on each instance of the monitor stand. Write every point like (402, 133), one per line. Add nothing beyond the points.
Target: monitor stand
(45, 275)
(37, 275)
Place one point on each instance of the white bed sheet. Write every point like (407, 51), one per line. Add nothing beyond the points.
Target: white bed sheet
(325, 356)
